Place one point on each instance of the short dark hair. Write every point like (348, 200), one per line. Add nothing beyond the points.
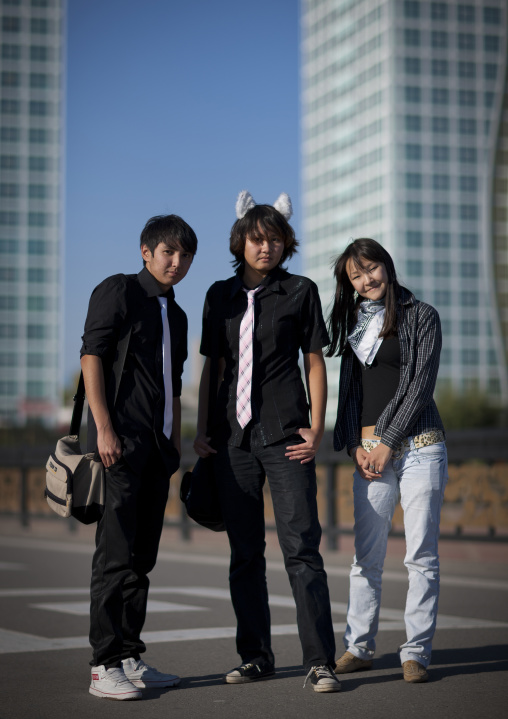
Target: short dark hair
(267, 219)
(171, 230)
(344, 312)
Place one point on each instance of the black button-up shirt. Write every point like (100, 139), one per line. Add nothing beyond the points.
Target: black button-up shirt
(287, 319)
(121, 302)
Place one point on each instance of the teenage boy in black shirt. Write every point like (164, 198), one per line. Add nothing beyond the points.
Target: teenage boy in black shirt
(261, 319)
(137, 435)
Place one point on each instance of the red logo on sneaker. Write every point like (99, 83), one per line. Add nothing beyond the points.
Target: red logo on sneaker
(95, 677)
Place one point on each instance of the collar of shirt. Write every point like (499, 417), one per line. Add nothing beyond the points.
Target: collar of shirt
(152, 287)
(271, 281)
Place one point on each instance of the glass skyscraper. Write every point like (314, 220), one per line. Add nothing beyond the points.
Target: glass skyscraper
(31, 96)
(405, 139)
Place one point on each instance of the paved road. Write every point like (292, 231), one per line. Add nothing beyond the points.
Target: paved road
(44, 649)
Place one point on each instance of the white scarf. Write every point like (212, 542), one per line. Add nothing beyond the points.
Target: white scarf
(365, 339)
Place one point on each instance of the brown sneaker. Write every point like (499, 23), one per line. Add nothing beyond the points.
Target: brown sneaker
(349, 663)
(414, 672)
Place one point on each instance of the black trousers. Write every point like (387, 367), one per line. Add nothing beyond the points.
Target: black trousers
(127, 542)
(241, 476)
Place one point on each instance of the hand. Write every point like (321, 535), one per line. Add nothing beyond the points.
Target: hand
(360, 455)
(306, 451)
(377, 459)
(108, 446)
(202, 447)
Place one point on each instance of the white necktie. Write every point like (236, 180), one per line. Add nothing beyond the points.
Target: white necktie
(166, 369)
(245, 362)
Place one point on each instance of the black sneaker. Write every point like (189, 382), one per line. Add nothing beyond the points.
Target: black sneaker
(250, 673)
(323, 679)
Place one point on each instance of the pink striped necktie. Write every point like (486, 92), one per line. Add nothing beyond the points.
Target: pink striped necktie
(245, 361)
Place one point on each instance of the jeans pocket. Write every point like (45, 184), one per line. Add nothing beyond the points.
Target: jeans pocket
(438, 449)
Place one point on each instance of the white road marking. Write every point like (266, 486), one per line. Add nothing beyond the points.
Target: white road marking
(83, 608)
(223, 561)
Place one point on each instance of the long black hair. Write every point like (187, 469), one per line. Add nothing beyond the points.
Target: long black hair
(343, 315)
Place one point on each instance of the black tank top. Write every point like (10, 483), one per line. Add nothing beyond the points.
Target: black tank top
(380, 381)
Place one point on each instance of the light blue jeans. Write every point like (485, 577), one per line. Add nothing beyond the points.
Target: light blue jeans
(419, 476)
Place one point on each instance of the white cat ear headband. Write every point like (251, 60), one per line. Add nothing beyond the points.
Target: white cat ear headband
(245, 202)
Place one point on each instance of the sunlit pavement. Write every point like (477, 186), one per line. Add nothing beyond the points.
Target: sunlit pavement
(190, 628)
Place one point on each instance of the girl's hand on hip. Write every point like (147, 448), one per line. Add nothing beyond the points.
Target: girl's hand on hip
(305, 451)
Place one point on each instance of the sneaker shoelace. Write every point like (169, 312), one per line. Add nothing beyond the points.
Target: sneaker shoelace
(322, 672)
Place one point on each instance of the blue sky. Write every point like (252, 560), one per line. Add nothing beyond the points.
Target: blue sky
(173, 107)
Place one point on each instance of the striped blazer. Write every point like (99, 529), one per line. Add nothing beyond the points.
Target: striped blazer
(412, 411)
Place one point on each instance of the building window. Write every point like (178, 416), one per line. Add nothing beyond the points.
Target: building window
(11, 52)
(413, 180)
(440, 125)
(468, 269)
(469, 328)
(470, 356)
(8, 332)
(469, 298)
(468, 184)
(440, 68)
(39, 136)
(440, 182)
(441, 239)
(413, 209)
(440, 153)
(488, 99)
(467, 154)
(440, 211)
(9, 189)
(466, 41)
(465, 13)
(411, 8)
(8, 303)
(414, 268)
(442, 298)
(412, 94)
(439, 38)
(9, 388)
(441, 269)
(36, 332)
(39, 164)
(35, 359)
(36, 247)
(467, 98)
(39, 25)
(37, 192)
(413, 152)
(11, 24)
(440, 96)
(40, 53)
(468, 212)
(491, 43)
(8, 247)
(438, 11)
(10, 107)
(39, 80)
(414, 238)
(490, 71)
(412, 37)
(10, 134)
(469, 241)
(467, 126)
(492, 15)
(39, 108)
(36, 274)
(37, 304)
(41, 3)
(8, 359)
(11, 79)
(412, 65)
(467, 69)
(35, 389)
(413, 123)
(9, 218)
(39, 219)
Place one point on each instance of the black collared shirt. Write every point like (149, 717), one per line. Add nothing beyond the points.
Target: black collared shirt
(120, 302)
(287, 319)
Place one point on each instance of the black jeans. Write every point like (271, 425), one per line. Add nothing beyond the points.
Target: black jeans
(241, 476)
(127, 542)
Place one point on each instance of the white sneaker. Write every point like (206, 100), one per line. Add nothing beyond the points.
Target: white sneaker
(142, 675)
(112, 684)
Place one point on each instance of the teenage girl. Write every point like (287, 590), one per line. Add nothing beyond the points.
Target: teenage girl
(387, 419)
(263, 317)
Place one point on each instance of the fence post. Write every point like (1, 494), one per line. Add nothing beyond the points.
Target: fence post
(332, 538)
